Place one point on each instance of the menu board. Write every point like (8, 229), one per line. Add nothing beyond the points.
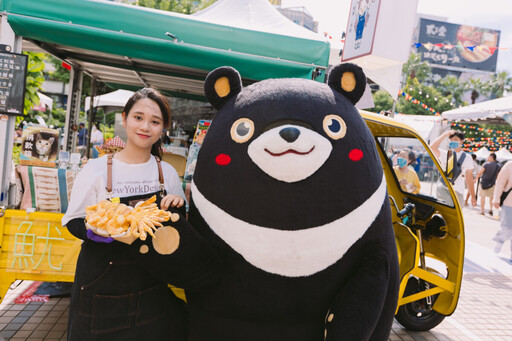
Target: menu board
(13, 75)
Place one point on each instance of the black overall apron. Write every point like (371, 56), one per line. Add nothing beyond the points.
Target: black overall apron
(115, 298)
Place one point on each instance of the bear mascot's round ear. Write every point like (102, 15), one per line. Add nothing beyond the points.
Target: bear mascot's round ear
(222, 84)
(349, 80)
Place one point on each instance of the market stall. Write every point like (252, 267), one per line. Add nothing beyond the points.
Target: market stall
(127, 47)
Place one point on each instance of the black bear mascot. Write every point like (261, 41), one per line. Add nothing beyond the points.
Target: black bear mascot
(289, 234)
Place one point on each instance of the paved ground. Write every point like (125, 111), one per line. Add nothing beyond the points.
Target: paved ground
(483, 312)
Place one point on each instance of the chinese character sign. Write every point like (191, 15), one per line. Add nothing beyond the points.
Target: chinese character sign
(465, 46)
(362, 23)
(38, 244)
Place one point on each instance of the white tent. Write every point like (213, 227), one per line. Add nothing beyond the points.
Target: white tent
(423, 124)
(113, 101)
(496, 109)
(482, 153)
(503, 155)
(257, 15)
(45, 102)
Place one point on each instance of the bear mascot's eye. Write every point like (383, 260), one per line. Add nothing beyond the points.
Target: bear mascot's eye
(335, 127)
(242, 130)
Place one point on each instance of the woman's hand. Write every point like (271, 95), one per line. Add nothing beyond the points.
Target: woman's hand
(171, 200)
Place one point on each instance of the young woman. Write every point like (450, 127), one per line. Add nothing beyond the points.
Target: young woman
(407, 177)
(113, 297)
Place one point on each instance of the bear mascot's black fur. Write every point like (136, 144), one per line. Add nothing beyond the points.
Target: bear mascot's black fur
(292, 236)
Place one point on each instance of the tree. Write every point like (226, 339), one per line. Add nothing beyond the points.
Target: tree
(450, 86)
(35, 80)
(179, 6)
(500, 83)
(415, 68)
(382, 101)
(477, 88)
(428, 95)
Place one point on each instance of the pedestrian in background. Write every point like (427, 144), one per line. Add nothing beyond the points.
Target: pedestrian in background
(476, 169)
(488, 173)
(503, 186)
(463, 170)
(96, 139)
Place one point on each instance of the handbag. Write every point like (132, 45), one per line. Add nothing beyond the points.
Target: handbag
(504, 196)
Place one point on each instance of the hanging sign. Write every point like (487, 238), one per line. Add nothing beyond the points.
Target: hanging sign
(13, 75)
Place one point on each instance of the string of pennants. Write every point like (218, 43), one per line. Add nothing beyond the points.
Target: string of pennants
(429, 46)
(493, 143)
(415, 101)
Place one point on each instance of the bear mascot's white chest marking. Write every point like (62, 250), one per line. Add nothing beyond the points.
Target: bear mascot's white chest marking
(292, 253)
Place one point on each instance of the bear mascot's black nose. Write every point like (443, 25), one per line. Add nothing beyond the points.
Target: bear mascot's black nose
(289, 134)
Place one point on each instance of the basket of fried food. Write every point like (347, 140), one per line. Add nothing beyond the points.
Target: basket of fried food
(124, 223)
(111, 146)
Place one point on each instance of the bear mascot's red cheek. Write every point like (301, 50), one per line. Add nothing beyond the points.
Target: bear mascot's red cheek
(223, 159)
(355, 154)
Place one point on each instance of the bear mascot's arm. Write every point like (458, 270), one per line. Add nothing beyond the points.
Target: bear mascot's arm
(354, 314)
(178, 255)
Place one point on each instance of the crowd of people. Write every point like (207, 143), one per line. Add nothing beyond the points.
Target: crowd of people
(491, 180)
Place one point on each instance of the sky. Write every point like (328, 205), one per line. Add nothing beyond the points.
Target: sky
(332, 16)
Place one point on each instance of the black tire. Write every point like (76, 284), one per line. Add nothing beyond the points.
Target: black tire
(416, 316)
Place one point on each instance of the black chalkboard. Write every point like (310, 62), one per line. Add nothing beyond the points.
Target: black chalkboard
(13, 76)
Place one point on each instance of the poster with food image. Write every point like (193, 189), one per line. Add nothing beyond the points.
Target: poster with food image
(465, 46)
(39, 146)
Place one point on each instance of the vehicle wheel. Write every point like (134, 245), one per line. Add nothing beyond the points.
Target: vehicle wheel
(418, 316)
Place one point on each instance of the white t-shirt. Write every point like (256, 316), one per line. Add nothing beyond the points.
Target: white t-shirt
(96, 136)
(128, 180)
(458, 186)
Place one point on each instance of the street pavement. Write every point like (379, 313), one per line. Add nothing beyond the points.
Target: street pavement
(483, 312)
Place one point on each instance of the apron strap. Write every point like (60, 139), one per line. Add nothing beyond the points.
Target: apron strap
(109, 173)
(160, 174)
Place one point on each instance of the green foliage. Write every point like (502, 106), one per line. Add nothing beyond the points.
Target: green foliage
(415, 68)
(60, 74)
(382, 101)
(35, 80)
(500, 83)
(179, 6)
(16, 150)
(108, 131)
(427, 95)
(450, 86)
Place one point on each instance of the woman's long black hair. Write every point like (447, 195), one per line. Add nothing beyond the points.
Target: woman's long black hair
(162, 103)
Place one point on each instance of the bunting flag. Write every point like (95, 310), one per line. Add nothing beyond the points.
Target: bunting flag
(415, 101)
(472, 48)
(498, 140)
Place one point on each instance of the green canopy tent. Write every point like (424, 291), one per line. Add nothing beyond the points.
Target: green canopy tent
(131, 47)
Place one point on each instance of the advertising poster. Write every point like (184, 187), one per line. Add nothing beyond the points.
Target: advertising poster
(202, 128)
(456, 45)
(362, 23)
(39, 147)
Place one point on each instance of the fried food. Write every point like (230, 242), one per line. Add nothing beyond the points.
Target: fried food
(117, 218)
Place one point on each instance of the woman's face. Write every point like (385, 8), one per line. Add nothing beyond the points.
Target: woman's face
(144, 123)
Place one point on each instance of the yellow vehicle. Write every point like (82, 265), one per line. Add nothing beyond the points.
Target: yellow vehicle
(429, 234)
